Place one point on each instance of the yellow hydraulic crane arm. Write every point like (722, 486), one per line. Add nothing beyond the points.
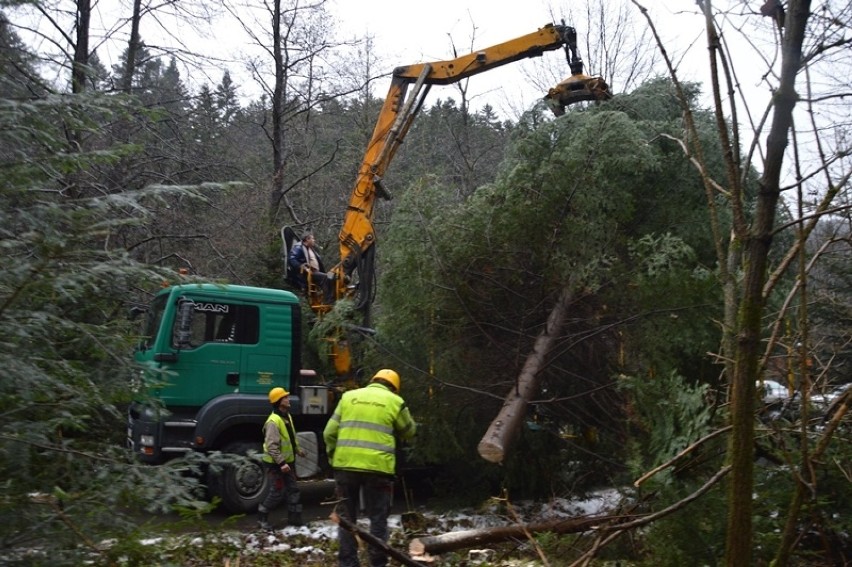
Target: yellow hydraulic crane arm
(357, 234)
(353, 276)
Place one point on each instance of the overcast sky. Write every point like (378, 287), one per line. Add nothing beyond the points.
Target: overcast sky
(408, 33)
(413, 32)
(416, 32)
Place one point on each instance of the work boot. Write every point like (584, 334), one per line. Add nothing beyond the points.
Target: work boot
(263, 521)
(295, 519)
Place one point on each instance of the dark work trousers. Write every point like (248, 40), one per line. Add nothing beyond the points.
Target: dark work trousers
(279, 484)
(378, 494)
(326, 285)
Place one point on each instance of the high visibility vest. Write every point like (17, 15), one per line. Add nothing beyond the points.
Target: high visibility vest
(360, 434)
(287, 449)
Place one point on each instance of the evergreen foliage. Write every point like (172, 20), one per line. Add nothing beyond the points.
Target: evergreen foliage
(64, 292)
(831, 312)
(18, 75)
(596, 202)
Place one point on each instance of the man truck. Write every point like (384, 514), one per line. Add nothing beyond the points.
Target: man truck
(208, 356)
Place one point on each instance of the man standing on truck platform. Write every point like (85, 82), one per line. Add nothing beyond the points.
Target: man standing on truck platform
(360, 439)
(280, 447)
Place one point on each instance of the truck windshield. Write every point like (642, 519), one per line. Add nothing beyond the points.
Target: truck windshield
(220, 322)
(152, 322)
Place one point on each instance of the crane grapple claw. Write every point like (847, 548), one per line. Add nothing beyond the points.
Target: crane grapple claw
(574, 89)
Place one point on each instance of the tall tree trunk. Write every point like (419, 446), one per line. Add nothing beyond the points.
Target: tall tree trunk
(757, 245)
(79, 70)
(278, 100)
(132, 48)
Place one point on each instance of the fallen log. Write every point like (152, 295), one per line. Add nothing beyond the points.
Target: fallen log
(451, 541)
(506, 426)
(374, 541)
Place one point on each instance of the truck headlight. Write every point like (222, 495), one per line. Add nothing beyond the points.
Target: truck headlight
(146, 440)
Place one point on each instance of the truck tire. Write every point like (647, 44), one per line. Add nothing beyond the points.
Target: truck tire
(241, 487)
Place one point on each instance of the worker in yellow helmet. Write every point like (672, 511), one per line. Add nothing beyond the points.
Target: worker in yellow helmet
(280, 447)
(360, 439)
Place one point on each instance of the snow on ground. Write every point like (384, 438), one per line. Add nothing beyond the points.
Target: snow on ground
(310, 540)
(314, 542)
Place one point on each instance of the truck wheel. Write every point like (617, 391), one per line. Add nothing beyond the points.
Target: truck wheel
(242, 487)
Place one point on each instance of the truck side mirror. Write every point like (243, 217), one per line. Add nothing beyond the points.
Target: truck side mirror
(136, 311)
(186, 311)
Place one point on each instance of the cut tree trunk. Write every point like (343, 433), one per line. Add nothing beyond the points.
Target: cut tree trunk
(374, 541)
(452, 541)
(504, 429)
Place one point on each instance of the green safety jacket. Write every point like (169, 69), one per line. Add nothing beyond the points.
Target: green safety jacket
(280, 450)
(360, 435)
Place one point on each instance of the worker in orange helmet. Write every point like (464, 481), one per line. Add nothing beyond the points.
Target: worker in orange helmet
(280, 447)
(360, 440)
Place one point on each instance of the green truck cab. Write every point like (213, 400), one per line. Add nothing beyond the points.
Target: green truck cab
(208, 356)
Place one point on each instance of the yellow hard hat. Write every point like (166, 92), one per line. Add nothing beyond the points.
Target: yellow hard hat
(275, 394)
(388, 376)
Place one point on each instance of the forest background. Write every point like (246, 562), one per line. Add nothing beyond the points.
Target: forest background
(699, 240)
